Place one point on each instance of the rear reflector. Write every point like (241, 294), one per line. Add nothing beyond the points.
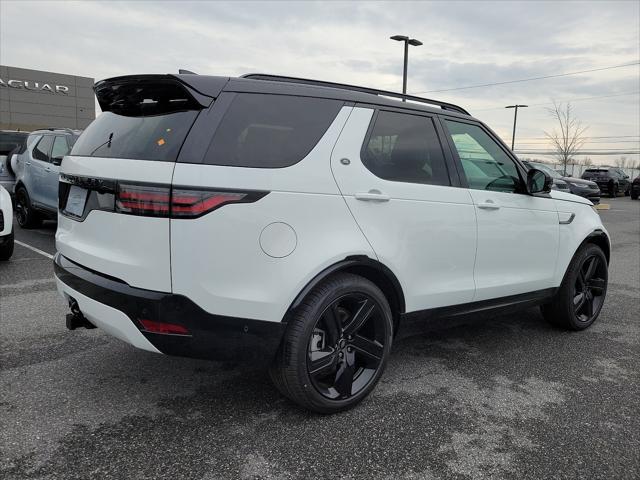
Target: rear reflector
(161, 327)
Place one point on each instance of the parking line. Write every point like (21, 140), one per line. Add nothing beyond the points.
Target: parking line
(37, 250)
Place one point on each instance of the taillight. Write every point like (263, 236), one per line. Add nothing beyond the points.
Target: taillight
(147, 200)
(153, 200)
(193, 203)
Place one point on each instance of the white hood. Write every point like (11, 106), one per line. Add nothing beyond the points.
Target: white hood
(569, 197)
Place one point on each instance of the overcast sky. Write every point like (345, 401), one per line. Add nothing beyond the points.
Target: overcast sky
(465, 43)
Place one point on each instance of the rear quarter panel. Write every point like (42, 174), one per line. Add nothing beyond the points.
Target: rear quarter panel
(218, 261)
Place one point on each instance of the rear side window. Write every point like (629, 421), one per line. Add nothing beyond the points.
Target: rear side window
(270, 131)
(405, 148)
(144, 120)
(42, 149)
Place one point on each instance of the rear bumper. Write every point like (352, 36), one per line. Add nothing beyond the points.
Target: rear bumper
(116, 307)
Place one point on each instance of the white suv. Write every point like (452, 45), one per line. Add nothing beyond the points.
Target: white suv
(303, 224)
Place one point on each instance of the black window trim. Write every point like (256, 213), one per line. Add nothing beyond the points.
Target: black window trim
(48, 160)
(520, 168)
(454, 180)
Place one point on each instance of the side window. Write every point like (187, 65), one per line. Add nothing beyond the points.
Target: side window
(405, 148)
(485, 164)
(60, 147)
(270, 131)
(41, 150)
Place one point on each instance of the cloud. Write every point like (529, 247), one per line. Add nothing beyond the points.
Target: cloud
(465, 43)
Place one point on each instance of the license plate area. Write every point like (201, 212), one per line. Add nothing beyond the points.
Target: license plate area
(76, 201)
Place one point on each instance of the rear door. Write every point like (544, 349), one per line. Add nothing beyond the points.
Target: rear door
(394, 175)
(116, 183)
(36, 169)
(59, 149)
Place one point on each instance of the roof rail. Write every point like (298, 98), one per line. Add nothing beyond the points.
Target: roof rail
(373, 91)
(53, 129)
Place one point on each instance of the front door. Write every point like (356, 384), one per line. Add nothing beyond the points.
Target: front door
(393, 174)
(517, 232)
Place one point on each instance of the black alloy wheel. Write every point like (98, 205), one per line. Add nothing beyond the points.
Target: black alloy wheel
(336, 345)
(613, 190)
(347, 346)
(589, 289)
(582, 292)
(25, 215)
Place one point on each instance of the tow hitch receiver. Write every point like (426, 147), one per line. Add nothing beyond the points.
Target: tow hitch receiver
(75, 319)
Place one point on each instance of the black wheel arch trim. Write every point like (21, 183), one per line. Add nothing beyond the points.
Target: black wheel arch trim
(600, 238)
(357, 262)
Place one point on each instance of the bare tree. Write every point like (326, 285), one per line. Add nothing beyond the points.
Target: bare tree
(568, 138)
(587, 162)
(621, 162)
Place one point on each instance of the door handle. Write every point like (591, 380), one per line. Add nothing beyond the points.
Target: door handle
(372, 196)
(489, 205)
(48, 169)
(28, 163)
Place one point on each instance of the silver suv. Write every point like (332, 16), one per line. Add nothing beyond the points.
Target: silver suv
(37, 169)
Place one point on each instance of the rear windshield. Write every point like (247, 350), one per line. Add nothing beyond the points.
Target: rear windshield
(10, 141)
(143, 120)
(141, 138)
(596, 170)
(270, 131)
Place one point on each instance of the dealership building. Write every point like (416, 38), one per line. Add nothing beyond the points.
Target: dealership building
(32, 99)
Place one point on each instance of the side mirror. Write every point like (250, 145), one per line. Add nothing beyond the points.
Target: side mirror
(56, 160)
(538, 181)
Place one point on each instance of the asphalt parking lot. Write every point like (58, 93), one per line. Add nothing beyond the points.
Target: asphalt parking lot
(510, 397)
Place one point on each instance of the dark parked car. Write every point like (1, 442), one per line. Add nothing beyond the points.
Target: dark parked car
(611, 180)
(558, 182)
(10, 142)
(635, 188)
(577, 186)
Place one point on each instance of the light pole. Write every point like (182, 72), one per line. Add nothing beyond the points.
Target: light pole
(407, 41)
(515, 118)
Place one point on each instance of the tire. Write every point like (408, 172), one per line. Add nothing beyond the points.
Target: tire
(634, 195)
(627, 192)
(343, 329)
(581, 295)
(613, 190)
(26, 216)
(6, 247)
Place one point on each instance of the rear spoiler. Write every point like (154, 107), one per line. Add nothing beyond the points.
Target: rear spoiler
(199, 91)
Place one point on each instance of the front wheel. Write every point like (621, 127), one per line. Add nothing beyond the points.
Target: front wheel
(634, 195)
(336, 345)
(581, 295)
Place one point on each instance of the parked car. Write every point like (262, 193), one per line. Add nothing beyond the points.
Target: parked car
(6, 225)
(304, 224)
(37, 168)
(610, 179)
(10, 142)
(635, 188)
(577, 186)
(558, 182)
